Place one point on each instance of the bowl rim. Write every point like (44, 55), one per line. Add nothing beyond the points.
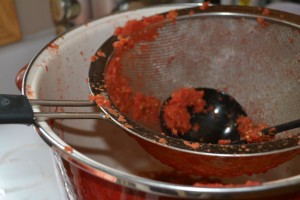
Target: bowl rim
(144, 184)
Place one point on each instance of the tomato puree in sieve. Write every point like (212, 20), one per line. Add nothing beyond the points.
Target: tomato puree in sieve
(145, 109)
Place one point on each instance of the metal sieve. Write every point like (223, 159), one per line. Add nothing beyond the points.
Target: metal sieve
(251, 53)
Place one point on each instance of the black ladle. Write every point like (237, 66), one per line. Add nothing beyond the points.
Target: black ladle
(220, 122)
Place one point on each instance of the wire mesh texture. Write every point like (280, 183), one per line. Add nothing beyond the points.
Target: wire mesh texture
(255, 62)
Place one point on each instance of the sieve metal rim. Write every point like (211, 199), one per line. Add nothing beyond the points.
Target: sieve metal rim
(271, 147)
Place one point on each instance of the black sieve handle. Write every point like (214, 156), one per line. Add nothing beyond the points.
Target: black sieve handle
(15, 109)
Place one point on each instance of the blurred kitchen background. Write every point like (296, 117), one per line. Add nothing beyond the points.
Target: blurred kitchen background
(32, 16)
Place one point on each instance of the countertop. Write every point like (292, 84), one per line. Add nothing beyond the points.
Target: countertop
(26, 167)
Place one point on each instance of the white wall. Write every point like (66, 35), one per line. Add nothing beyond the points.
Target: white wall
(34, 15)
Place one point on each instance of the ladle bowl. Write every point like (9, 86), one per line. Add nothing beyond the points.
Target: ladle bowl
(216, 122)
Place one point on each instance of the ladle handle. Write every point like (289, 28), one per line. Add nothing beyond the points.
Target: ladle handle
(282, 127)
(15, 109)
